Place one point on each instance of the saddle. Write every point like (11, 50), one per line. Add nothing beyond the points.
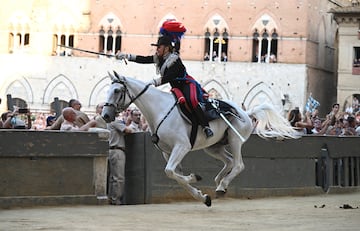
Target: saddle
(211, 108)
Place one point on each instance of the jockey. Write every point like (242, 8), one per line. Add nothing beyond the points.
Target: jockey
(173, 71)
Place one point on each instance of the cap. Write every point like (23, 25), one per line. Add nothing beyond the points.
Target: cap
(49, 119)
(164, 40)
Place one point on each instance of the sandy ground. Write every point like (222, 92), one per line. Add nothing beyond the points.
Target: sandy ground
(318, 213)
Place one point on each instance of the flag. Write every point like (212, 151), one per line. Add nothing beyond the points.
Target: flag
(311, 104)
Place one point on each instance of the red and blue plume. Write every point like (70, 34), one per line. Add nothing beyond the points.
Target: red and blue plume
(173, 29)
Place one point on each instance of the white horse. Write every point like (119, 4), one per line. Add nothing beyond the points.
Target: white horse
(171, 131)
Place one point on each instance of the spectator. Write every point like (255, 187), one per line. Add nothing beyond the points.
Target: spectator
(81, 118)
(337, 128)
(224, 57)
(100, 122)
(135, 124)
(335, 111)
(125, 116)
(4, 117)
(144, 124)
(214, 56)
(39, 122)
(16, 118)
(357, 117)
(70, 117)
(273, 58)
(356, 63)
(116, 179)
(50, 120)
(296, 121)
(349, 127)
(318, 129)
(356, 104)
(357, 120)
(314, 115)
(206, 56)
(354, 107)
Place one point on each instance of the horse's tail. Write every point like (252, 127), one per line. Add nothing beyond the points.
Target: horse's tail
(270, 124)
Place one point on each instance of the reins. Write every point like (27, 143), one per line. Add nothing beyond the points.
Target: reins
(167, 114)
(155, 137)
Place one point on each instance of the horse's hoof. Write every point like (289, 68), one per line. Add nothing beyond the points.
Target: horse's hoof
(220, 194)
(198, 178)
(207, 200)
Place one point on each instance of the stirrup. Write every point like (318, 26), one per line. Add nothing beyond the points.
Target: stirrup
(208, 132)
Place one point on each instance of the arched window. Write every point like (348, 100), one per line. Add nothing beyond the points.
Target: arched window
(11, 43)
(274, 47)
(255, 46)
(207, 45)
(102, 40)
(216, 38)
(118, 40)
(110, 34)
(224, 46)
(18, 41)
(265, 40)
(110, 41)
(19, 32)
(64, 40)
(264, 47)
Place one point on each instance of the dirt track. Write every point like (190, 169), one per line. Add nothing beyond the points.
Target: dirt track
(279, 213)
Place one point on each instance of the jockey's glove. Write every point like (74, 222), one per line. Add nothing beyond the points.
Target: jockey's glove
(122, 56)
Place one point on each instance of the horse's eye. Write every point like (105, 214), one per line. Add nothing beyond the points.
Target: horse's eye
(117, 90)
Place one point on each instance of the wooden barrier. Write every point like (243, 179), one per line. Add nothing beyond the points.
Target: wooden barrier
(272, 168)
(52, 167)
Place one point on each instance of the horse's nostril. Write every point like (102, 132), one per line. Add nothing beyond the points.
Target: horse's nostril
(106, 117)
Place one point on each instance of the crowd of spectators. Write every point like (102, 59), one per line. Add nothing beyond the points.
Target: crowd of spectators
(336, 122)
(21, 118)
(73, 119)
(215, 57)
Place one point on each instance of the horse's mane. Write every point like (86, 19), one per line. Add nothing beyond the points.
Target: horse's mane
(143, 84)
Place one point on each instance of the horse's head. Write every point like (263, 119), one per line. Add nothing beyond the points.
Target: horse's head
(118, 98)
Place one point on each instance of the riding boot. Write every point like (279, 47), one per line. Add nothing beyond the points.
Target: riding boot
(203, 122)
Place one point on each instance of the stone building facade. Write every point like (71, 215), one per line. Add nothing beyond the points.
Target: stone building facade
(348, 71)
(300, 34)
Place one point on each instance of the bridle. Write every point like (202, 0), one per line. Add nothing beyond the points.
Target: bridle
(121, 101)
(117, 106)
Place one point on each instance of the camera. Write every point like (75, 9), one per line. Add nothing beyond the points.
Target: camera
(23, 110)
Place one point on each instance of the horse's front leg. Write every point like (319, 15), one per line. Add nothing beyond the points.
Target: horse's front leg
(177, 155)
(178, 168)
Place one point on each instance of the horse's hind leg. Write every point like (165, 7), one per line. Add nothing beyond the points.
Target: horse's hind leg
(219, 152)
(235, 149)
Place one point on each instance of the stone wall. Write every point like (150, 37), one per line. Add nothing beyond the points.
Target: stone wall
(44, 78)
(52, 167)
